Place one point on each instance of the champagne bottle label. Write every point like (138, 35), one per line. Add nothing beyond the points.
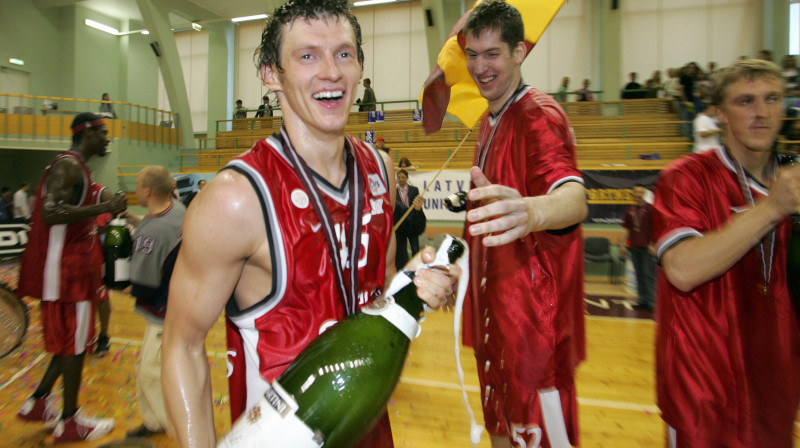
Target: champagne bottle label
(271, 423)
(387, 308)
(122, 270)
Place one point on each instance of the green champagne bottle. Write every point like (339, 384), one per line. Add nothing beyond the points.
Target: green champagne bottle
(117, 251)
(793, 264)
(334, 391)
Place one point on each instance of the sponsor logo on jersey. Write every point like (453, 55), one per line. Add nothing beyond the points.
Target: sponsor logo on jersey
(376, 205)
(376, 187)
(300, 198)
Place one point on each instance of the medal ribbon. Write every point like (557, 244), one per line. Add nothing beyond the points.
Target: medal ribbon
(766, 259)
(349, 296)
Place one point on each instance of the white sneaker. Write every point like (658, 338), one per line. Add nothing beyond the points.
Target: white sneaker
(82, 427)
(40, 410)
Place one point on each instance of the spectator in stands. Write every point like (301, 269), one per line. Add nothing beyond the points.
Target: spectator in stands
(686, 109)
(584, 94)
(368, 103)
(22, 207)
(380, 143)
(106, 108)
(630, 91)
(706, 130)
(638, 224)
(239, 111)
(672, 86)
(653, 85)
(712, 68)
(6, 204)
(764, 55)
(561, 96)
(405, 164)
(264, 110)
(407, 234)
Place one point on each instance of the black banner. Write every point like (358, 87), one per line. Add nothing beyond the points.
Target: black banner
(609, 191)
(13, 237)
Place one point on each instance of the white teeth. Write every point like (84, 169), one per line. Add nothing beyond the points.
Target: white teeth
(487, 79)
(328, 95)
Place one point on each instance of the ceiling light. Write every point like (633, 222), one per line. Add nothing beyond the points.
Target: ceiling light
(249, 18)
(16, 61)
(196, 26)
(372, 2)
(145, 32)
(101, 27)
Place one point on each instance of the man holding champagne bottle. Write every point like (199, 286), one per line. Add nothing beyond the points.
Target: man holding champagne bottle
(292, 236)
(728, 342)
(526, 317)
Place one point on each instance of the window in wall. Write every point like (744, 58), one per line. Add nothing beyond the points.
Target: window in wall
(794, 28)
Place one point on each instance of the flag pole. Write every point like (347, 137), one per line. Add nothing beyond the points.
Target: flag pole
(446, 162)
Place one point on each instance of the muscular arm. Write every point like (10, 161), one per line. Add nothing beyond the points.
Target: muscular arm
(59, 201)
(695, 261)
(511, 216)
(208, 269)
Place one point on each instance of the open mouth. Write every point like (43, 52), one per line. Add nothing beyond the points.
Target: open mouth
(487, 79)
(330, 96)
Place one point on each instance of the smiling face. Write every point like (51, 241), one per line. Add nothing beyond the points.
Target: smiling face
(752, 109)
(494, 66)
(320, 75)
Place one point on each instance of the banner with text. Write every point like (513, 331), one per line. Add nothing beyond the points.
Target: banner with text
(448, 182)
(609, 191)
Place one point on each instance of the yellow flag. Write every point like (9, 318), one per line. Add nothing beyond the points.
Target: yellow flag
(451, 89)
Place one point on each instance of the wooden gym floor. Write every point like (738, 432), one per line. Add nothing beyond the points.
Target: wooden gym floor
(615, 384)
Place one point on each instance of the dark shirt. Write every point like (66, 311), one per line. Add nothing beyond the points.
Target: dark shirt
(639, 222)
(632, 95)
(688, 87)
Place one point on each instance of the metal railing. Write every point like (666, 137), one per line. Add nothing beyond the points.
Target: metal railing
(48, 118)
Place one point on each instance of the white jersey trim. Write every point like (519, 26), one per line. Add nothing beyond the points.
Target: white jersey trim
(673, 236)
(277, 251)
(726, 160)
(564, 180)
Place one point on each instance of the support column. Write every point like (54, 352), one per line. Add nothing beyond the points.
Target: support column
(157, 21)
(440, 16)
(775, 28)
(220, 74)
(607, 39)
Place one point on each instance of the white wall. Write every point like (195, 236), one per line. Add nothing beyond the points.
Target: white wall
(655, 34)
(660, 34)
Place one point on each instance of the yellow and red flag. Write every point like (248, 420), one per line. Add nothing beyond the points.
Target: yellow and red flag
(449, 88)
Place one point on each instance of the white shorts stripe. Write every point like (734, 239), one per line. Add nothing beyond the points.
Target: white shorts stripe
(83, 316)
(550, 400)
(51, 289)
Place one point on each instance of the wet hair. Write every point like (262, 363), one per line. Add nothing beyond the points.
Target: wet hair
(749, 69)
(79, 119)
(496, 15)
(269, 51)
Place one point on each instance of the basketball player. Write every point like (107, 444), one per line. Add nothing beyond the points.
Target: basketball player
(728, 342)
(275, 236)
(525, 319)
(61, 266)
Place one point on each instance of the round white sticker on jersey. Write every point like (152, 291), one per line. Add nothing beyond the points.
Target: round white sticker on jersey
(300, 198)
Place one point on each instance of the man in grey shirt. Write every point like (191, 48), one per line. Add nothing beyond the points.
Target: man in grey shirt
(155, 248)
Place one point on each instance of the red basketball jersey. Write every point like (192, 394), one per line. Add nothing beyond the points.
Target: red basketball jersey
(304, 300)
(62, 261)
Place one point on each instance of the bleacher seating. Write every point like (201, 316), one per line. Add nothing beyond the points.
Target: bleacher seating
(642, 132)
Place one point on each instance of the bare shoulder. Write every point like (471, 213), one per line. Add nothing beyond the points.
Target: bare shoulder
(227, 211)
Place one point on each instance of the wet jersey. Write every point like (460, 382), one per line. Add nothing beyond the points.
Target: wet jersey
(264, 339)
(727, 354)
(525, 315)
(62, 261)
